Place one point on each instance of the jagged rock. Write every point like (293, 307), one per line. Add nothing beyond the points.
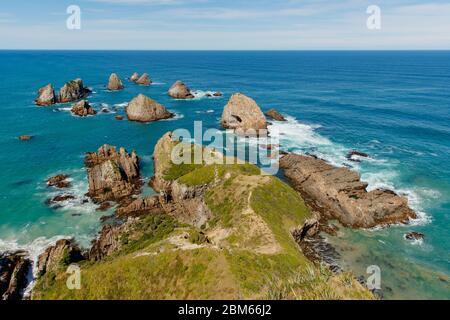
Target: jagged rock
(144, 80)
(217, 94)
(135, 77)
(180, 91)
(107, 242)
(243, 115)
(119, 118)
(46, 96)
(114, 82)
(414, 236)
(338, 193)
(83, 109)
(353, 155)
(14, 268)
(144, 109)
(104, 206)
(275, 115)
(59, 181)
(72, 91)
(112, 175)
(310, 228)
(60, 198)
(62, 254)
(25, 138)
(139, 207)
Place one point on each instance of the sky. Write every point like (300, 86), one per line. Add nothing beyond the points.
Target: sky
(225, 25)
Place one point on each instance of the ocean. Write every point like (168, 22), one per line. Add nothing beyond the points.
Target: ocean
(393, 105)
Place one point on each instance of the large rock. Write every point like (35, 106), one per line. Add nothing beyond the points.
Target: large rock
(61, 255)
(72, 91)
(243, 115)
(139, 206)
(180, 91)
(107, 242)
(144, 80)
(59, 181)
(275, 115)
(144, 109)
(114, 83)
(14, 269)
(46, 96)
(82, 109)
(135, 77)
(338, 193)
(112, 175)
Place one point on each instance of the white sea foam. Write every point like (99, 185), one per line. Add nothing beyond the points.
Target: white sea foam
(200, 94)
(121, 105)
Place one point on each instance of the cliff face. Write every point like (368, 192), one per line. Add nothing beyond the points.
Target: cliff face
(213, 232)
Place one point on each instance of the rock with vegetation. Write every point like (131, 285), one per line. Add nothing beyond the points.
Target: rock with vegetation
(72, 91)
(243, 249)
(139, 206)
(61, 255)
(83, 109)
(46, 96)
(275, 115)
(144, 109)
(180, 91)
(115, 83)
(244, 116)
(339, 193)
(144, 80)
(113, 175)
(14, 269)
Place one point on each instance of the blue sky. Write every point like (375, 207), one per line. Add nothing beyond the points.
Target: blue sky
(225, 24)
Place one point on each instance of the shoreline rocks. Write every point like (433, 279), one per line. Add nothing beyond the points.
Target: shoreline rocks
(112, 175)
(144, 109)
(58, 181)
(243, 115)
(275, 115)
(63, 253)
(14, 269)
(338, 193)
(354, 155)
(46, 96)
(414, 236)
(114, 83)
(82, 109)
(180, 91)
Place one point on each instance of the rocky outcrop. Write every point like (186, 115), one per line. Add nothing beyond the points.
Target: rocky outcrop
(135, 77)
(112, 175)
(46, 96)
(108, 241)
(275, 115)
(119, 118)
(244, 116)
(14, 269)
(139, 206)
(180, 91)
(114, 83)
(59, 181)
(217, 94)
(83, 109)
(355, 155)
(414, 236)
(338, 193)
(144, 80)
(144, 109)
(72, 91)
(62, 254)
(25, 138)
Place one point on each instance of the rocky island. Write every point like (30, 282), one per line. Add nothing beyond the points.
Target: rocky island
(144, 109)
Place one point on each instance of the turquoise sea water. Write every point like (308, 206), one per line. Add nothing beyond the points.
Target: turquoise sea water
(393, 105)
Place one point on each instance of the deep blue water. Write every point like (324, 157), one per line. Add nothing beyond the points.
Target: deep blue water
(393, 105)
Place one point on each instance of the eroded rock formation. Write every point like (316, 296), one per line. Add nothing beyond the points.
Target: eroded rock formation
(144, 80)
(72, 91)
(135, 77)
(46, 96)
(14, 268)
(275, 115)
(144, 109)
(114, 83)
(180, 91)
(139, 206)
(59, 181)
(83, 109)
(338, 193)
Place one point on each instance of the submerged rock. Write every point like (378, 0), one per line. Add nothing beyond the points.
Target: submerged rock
(46, 96)
(119, 118)
(217, 94)
(275, 115)
(144, 109)
(338, 193)
(353, 155)
(62, 254)
(414, 236)
(60, 198)
(144, 80)
(180, 91)
(14, 269)
(243, 115)
(72, 91)
(83, 109)
(25, 138)
(114, 83)
(59, 181)
(112, 175)
(135, 77)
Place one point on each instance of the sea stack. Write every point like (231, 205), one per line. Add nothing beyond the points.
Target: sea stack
(46, 96)
(83, 109)
(135, 77)
(144, 80)
(114, 83)
(243, 115)
(180, 91)
(72, 91)
(144, 109)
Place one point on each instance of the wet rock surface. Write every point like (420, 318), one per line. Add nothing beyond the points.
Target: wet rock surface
(59, 181)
